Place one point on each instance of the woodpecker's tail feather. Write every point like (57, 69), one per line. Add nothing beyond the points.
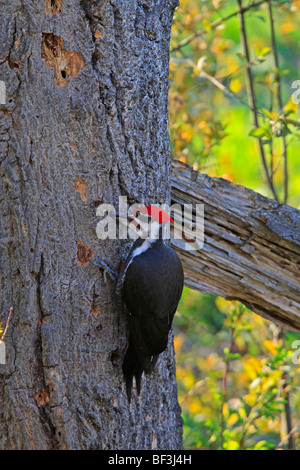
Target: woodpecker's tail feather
(132, 368)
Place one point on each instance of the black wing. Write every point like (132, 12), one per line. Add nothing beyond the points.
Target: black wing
(151, 291)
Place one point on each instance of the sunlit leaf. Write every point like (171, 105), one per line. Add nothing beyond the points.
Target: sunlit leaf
(271, 347)
(235, 85)
(258, 132)
(232, 445)
(287, 27)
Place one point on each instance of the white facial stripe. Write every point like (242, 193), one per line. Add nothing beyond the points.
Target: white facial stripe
(141, 249)
(144, 246)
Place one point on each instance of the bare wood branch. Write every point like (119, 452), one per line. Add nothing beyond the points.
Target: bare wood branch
(251, 249)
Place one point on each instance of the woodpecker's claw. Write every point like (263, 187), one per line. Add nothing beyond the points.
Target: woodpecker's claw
(106, 268)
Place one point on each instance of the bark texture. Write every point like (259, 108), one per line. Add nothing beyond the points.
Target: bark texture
(251, 249)
(85, 121)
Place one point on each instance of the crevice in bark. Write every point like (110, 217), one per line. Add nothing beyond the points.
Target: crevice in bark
(10, 62)
(42, 390)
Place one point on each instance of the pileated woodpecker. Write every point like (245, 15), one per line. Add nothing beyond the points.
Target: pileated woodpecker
(150, 284)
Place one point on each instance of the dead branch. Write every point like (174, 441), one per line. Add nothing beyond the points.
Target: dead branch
(251, 250)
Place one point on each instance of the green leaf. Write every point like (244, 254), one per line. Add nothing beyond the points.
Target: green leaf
(291, 121)
(258, 132)
(206, 25)
(267, 113)
(233, 356)
(264, 51)
(260, 445)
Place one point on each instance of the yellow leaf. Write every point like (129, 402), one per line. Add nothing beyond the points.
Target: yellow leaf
(249, 399)
(201, 124)
(178, 341)
(290, 106)
(210, 361)
(227, 176)
(271, 347)
(235, 85)
(188, 380)
(233, 418)
(232, 445)
(225, 410)
(242, 413)
(195, 407)
(187, 135)
(206, 25)
(252, 366)
(286, 28)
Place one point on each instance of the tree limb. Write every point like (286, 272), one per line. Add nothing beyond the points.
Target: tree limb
(251, 250)
(214, 25)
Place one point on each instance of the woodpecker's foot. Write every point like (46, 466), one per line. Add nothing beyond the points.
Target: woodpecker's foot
(106, 268)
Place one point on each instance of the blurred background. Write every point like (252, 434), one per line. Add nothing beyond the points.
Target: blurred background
(233, 114)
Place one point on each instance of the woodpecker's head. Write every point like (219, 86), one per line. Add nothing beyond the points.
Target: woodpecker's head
(150, 221)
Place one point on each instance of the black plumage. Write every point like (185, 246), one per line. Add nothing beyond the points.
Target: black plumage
(151, 290)
(150, 285)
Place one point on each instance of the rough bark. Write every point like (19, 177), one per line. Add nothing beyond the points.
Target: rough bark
(85, 121)
(251, 250)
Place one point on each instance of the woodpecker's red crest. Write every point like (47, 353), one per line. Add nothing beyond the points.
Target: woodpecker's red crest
(156, 213)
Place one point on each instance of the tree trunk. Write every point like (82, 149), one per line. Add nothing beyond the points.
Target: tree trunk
(85, 121)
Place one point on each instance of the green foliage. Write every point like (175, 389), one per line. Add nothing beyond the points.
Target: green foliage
(233, 384)
(235, 372)
(211, 122)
